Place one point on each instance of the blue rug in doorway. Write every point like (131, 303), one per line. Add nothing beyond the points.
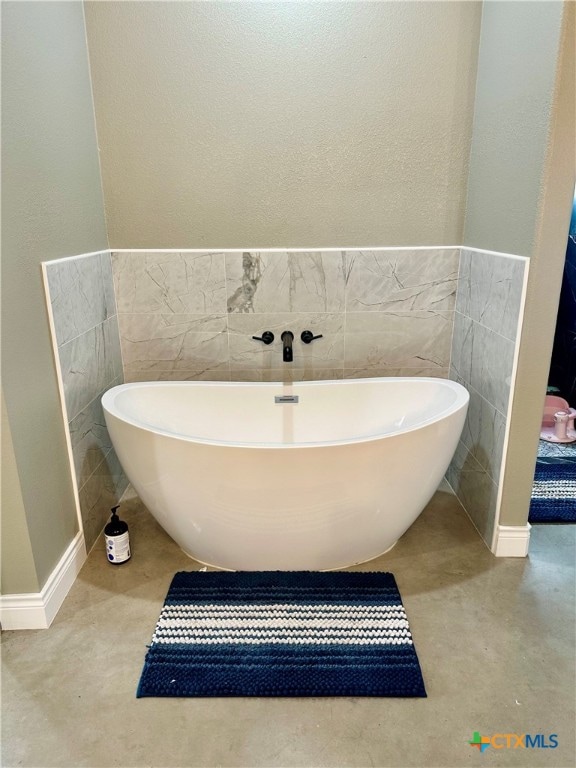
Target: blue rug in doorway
(554, 491)
(278, 633)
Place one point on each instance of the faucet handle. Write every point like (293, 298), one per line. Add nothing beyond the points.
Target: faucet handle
(308, 336)
(267, 337)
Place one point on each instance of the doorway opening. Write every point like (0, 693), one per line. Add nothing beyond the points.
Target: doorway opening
(554, 490)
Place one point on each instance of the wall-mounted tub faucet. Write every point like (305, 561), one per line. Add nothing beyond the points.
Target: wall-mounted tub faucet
(267, 337)
(287, 339)
(308, 336)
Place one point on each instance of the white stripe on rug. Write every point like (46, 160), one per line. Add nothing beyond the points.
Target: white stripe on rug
(292, 607)
(557, 490)
(292, 640)
(287, 623)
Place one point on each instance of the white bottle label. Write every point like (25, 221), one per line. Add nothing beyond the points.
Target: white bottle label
(118, 548)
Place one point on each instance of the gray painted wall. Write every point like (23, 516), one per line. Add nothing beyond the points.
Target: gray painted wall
(548, 249)
(522, 117)
(51, 207)
(18, 573)
(517, 64)
(283, 124)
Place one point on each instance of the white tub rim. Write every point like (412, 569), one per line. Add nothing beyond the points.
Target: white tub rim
(109, 405)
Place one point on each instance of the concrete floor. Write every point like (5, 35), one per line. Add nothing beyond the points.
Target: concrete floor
(495, 638)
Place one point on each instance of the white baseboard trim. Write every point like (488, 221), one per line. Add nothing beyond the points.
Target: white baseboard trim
(512, 540)
(37, 610)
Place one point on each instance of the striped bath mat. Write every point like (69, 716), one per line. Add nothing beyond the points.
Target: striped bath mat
(554, 491)
(277, 633)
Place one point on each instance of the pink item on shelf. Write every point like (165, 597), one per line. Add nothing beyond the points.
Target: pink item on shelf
(558, 421)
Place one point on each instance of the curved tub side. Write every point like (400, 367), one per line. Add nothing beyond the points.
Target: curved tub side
(304, 508)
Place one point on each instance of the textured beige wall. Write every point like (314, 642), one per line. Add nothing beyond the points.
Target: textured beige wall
(51, 207)
(552, 219)
(516, 73)
(283, 123)
(18, 573)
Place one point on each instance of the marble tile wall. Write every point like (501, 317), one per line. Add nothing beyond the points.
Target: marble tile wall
(81, 296)
(483, 346)
(192, 315)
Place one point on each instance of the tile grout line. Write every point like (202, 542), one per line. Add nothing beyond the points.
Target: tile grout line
(99, 395)
(469, 385)
(227, 316)
(486, 327)
(454, 309)
(117, 316)
(102, 460)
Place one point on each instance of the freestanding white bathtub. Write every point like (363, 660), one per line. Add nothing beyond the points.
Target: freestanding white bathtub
(243, 482)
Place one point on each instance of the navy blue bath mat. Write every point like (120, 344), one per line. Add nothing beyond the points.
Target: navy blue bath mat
(277, 633)
(554, 492)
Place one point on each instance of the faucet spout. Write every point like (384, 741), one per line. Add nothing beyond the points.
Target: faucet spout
(287, 339)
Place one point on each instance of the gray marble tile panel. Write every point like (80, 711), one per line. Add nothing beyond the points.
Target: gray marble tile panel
(401, 280)
(89, 438)
(81, 294)
(141, 326)
(327, 352)
(255, 324)
(264, 281)
(173, 342)
(385, 322)
(361, 373)
(463, 298)
(167, 283)
(113, 347)
(454, 376)
(99, 493)
(490, 290)
(108, 282)
(478, 494)
(287, 374)
(201, 374)
(462, 346)
(398, 340)
(492, 360)
(483, 433)
(462, 461)
(110, 471)
(89, 364)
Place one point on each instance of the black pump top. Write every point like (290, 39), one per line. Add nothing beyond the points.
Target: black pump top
(115, 527)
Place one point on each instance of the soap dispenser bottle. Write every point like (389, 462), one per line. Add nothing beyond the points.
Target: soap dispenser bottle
(117, 539)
